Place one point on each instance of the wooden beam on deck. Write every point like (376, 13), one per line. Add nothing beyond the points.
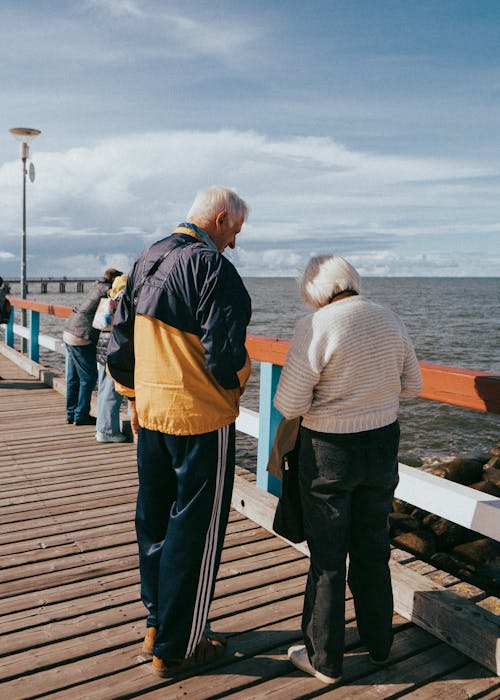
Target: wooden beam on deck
(455, 620)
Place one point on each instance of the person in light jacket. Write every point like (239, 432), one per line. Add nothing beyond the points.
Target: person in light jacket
(349, 363)
(109, 401)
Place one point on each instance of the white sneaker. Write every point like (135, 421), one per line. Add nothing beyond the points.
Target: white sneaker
(298, 656)
(110, 437)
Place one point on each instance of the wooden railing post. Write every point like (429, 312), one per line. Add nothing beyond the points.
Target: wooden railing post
(269, 418)
(33, 346)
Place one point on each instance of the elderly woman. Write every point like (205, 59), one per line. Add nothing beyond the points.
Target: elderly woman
(348, 364)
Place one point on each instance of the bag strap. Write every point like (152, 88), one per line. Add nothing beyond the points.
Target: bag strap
(154, 267)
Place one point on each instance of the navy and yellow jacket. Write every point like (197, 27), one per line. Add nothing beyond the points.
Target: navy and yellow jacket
(181, 350)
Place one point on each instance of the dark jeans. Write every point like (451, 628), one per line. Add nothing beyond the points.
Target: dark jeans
(81, 378)
(185, 487)
(347, 486)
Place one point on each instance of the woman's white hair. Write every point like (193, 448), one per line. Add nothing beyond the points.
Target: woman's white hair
(212, 200)
(325, 277)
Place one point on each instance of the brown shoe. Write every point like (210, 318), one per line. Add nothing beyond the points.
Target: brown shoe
(151, 632)
(149, 641)
(207, 651)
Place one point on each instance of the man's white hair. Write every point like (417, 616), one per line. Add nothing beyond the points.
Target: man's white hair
(326, 276)
(212, 200)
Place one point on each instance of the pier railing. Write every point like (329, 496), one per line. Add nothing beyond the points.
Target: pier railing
(452, 385)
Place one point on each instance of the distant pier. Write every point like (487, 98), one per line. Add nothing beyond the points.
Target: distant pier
(58, 285)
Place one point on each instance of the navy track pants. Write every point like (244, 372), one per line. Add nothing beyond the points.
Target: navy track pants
(183, 502)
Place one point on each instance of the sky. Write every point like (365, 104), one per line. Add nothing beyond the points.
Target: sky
(366, 128)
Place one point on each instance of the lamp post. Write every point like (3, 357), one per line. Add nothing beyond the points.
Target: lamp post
(25, 137)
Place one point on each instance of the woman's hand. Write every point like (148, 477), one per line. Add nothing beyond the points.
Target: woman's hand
(134, 420)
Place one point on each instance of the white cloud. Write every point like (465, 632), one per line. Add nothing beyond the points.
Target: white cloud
(117, 8)
(305, 194)
(181, 33)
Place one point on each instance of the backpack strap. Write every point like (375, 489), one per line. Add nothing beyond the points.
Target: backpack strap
(174, 253)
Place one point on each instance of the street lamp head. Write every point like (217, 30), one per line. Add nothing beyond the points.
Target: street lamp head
(24, 135)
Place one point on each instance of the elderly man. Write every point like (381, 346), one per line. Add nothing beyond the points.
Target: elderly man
(177, 351)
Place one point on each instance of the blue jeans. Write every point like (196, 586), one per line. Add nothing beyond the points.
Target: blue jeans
(81, 378)
(108, 404)
(185, 487)
(347, 485)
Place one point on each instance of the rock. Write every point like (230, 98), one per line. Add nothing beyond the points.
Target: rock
(436, 469)
(463, 471)
(420, 543)
(491, 573)
(410, 460)
(480, 456)
(401, 507)
(495, 451)
(493, 463)
(447, 562)
(400, 522)
(479, 551)
(448, 534)
(419, 513)
(487, 487)
(492, 474)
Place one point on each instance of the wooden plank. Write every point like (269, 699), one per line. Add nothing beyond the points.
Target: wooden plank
(74, 503)
(85, 570)
(100, 583)
(469, 681)
(51, 523)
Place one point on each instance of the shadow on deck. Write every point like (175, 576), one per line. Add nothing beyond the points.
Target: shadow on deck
(71, 620)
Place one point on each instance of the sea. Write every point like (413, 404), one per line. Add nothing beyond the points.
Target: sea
(451, 321)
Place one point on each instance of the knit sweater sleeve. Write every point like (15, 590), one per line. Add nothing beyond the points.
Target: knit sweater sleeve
(411, 377)
(301, 372)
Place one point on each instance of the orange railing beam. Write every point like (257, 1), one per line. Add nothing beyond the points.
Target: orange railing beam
(461, 387)
(41, 307)
(265, 349)
(454, 385)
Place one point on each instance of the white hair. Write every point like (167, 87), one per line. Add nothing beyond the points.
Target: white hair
(326, 276)
(212, 200)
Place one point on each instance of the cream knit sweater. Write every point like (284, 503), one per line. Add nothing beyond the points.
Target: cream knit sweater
(347, 366)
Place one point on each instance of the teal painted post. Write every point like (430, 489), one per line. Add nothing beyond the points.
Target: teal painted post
(34, 348)
(269, 418)
(9, 333)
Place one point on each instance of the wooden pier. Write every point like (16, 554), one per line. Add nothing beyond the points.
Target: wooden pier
(71, 620)
(54, 285)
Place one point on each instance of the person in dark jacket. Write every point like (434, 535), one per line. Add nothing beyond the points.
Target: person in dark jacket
(177, 350)
(4, 307)
(81, 363)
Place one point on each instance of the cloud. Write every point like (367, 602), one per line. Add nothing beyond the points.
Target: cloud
(117, 8)
(181, 33)
(305, 194)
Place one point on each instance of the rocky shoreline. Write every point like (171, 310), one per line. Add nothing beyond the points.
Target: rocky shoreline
(464, 553)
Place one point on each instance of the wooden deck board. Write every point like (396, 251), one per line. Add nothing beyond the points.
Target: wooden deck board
(70, 616)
